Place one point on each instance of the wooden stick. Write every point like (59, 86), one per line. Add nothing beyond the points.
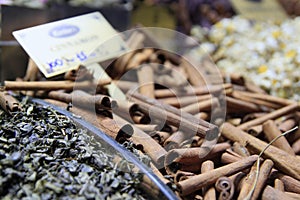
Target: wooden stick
(271, 193)
(208, 192)
(282, 160)
(197, 182)
(272, 115)
(271, 131)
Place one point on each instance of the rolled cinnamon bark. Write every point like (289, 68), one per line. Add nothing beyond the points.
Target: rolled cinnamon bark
(290, 184)
(134, 42)
(173, 116)
(271, 131)
(208, 192)
(206, 105)
(282, 160)
(296, 146)
(225, 187)
(259, 102)
(139, 58)
(287, 125)
(182, 175)
(195, 91)
(263, 176)
(190, 156)
(155, 151)
(252, 87)
(51, 85)
(255, 130)
(272, 115)
(84, 100)
(175, 140)
(31, 71)
(240, 149)
(114, 128)
(197, 182)
(278, 184)
(146, 81)
(241, 106)
(269, 98)
(272, 193)
(229, 157)
(9, 103)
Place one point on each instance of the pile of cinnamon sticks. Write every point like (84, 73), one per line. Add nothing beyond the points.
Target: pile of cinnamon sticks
(207, 133)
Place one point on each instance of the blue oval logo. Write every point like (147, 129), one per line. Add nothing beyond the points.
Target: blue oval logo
(64, 31)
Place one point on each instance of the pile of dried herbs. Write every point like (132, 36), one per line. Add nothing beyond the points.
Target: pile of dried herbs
(44, 155)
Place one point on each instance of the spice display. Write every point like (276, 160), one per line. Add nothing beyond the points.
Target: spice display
(45, 155)
(220, 137)
(264, 52)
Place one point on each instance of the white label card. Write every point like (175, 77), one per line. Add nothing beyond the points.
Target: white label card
(59, 46)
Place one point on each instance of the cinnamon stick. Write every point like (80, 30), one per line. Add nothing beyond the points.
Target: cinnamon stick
(175, 140)
(8, 102)
(84, 100)
(274, 194)
(225, 187)
(189, 156)
(271, 131)
(278, 184)
(282, 160)
(240, 105)
(270, 98)
(174, 116)
(208, 192)
(272, 115)
(296, 146)
(205, 105)
(146, 81)
(287, 125)
(182, 175)
(197, 182)
(51, 85)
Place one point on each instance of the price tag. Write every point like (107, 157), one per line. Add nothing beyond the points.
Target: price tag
(59, 46)
(260, 9)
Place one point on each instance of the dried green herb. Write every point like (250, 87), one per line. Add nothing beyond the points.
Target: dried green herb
(45, 155)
